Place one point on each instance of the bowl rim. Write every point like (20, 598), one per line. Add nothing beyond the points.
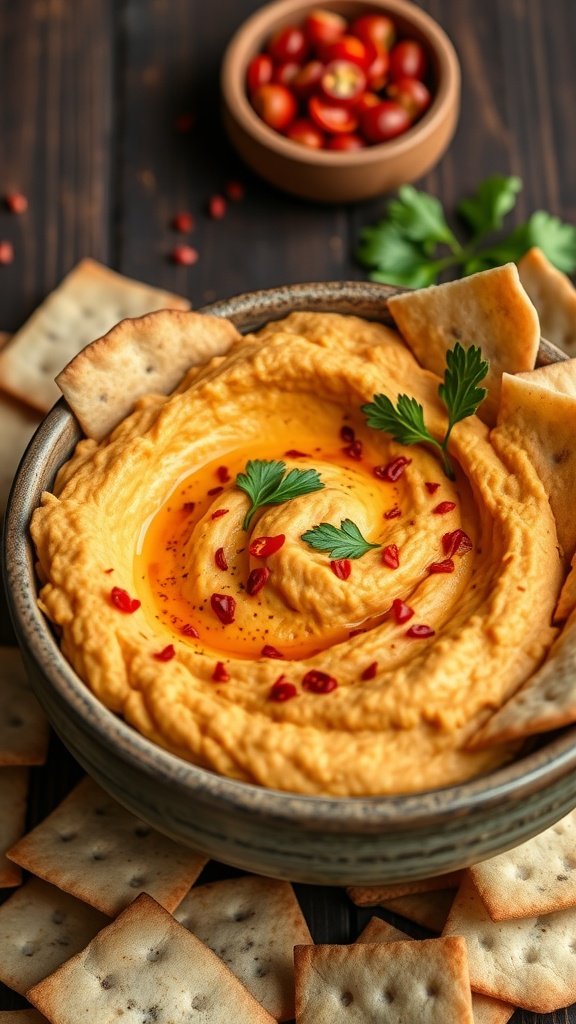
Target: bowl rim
(517, 779)
(238, 106)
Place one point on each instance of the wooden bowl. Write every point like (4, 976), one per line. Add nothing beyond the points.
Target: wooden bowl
(324, 175)
(333, 841)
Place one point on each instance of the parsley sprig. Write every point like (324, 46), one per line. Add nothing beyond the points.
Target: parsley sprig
(267, 482)
(413, 243)
(459, 391)
(343, 542)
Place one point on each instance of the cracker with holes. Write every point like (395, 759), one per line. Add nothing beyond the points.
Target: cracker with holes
(148, 967)
(485, 1010)
(23, 726)
(553, 295)
(393, 982)
(13, 793)
(253, 925)
(40, 928)
(87, 303)
(530, 962)
(370, 895)
(97, 851)
(537, 877)
(137, 358)
(490, 310)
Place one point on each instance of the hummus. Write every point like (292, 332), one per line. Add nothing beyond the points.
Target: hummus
(317, 684)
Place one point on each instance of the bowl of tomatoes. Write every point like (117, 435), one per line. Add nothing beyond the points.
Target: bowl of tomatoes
(341, 102)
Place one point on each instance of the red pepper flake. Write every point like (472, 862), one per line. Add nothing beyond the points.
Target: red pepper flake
(183, 222)
(235, 191)
(391, 556)
(393, 513)
(217, 207)
(224, 607)
(456, 543)
(293, 453)
(271, 652)
(219, 513)
(214, 491)
(431, 487)
(371, 671)
(223, 474)
(354, 450)
(257, 579)
(6, 253)
(282, 690)
(341, 567)
(420, 632)
(16, 202)
(107, 571)
(121, 599)
(188, 506)
(262, 547)
(393, 470)
(184, 123)
(166, 654)
(401, 611)
(318, 682)
(445, 566)
(220, 673)
(220, 560)
(443, 507)
(347, 434)
(189, 630)
(184, 255)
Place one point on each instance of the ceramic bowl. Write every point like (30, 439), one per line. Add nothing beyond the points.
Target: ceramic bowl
(309, 839)
(323, 175)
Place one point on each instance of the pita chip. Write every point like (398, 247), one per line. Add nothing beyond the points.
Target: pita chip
(554, 297)
(490, 310)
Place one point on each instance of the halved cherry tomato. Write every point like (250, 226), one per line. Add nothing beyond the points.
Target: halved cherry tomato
(350, 48)
(306, 133)
(259, 72)
(412, 94)
(284, 74)
(345, 143)
(308, 78)
(385, 121)
(377, 72)
(276, 105)
(367, 99)
(343, 81)
(288, 44)
(377, 29)
(408, 59)
(332, 118)
(323, 27)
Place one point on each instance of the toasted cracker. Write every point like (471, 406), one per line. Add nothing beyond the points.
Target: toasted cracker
(21, 1017)
(24, 729)
(554, 297)
(430, 909)
(537, 877)
(40, 927)
(371, 895)
(97, 851)
(485, 1010)
(137, 358)
(147, 965)
(530, 962)
(87, 303)
(490, 310)
(17, 424)
(252, 924)
(13, 793)
(393, 981)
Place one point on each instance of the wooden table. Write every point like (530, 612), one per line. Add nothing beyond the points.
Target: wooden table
(89, 96)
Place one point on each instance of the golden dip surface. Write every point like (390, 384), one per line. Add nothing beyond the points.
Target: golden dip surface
(292, 669)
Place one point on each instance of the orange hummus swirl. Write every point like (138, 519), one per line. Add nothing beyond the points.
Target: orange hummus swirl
(154, 511)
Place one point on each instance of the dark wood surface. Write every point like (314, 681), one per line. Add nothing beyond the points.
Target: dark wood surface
(89, 95)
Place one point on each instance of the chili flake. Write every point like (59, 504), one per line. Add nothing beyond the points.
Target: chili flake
(391, 556)
(257, 579)
(223, 474)
(189, 630)
(166, 654)
(121, 599)
(401, 611)
(224, 608)
(262, 547)
(220, 512)
(316, 681)
(16, 202)
(347, 434)
(183, 222)
(293, 453)
(217, 207)
(354, 450)
(271, 652)
(282, 690)
(443, 507)
(431, 487)
(447, 565)
(371, 671)
(214, 490)
(220, 673)
(341, 567)
(393, 513)
(420, 632)
(456, 543)
(220, 560)
(393, 470)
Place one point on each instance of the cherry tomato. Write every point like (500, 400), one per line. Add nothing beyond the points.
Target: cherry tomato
(276, 105)
(346, 143)
(377, 29)
(288, 44)
(308, 78)
(323, 27)
(343, 81)
(331, 118)
(284, 74)
(260, 70)
(385, 121)
(350, 48)
(412, 94)
(377, 73)
(367, 99)
(306, 133)
(408, 59)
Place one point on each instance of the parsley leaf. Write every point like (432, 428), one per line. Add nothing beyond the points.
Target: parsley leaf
(405, 422)
(399, 260)
(343, 542)
(557, 240)
(421, 218)
(485, 210)
(268, 483)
